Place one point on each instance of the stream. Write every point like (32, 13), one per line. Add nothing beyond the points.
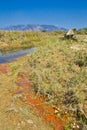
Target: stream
(37, 103)
(6, 58)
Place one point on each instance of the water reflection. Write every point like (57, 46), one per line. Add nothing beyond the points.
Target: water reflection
(11, 57)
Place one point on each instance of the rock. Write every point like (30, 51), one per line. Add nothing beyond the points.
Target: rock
(29, 121)
(69, 34)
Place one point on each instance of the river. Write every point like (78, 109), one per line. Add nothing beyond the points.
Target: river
(13, 56)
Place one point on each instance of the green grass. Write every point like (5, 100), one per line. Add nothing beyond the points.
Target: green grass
(57, 70)
(15, 40)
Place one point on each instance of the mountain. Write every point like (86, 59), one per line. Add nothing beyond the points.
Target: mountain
(31, 27)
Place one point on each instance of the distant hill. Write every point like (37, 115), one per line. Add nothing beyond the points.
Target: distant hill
(31, 27)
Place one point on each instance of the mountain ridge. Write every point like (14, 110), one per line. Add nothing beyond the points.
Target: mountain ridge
(33, 27)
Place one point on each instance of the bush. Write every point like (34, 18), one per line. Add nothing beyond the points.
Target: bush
(81, 59)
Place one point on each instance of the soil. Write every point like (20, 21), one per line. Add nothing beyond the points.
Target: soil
(21, 108)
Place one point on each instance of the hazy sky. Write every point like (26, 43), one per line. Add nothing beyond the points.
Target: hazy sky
(63, 13)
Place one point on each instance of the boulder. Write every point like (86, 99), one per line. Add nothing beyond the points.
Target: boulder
(69, 34)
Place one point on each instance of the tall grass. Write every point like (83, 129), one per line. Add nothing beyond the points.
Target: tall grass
(56, 72)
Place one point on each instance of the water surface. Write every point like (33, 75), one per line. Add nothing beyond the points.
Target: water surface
(13, 56)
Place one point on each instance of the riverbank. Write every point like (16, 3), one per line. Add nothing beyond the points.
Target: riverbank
(20, 107)
(57, 75)
(22, 40)
(58, 72)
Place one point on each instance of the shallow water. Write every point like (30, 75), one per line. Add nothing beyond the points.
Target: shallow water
(12, 57)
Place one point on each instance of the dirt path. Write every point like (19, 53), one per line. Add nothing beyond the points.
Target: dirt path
(20, 108)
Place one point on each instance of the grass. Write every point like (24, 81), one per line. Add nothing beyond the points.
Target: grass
(58, 71)
(15, 40)
(14, 111)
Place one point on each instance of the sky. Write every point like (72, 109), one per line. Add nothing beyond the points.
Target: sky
(62, 13)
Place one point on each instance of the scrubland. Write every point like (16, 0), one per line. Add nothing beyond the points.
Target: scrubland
(57, 71)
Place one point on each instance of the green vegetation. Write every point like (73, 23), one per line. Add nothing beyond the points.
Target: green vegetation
(83, 31)
(14, 40)
(58, 71)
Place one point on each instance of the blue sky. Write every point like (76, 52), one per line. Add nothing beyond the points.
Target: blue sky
(63, 13)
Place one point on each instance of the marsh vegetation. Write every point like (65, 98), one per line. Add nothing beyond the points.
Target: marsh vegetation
(57, 71)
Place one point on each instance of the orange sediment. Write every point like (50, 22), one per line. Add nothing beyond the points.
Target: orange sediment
(46, 111)
(4, 69)
(38, 103)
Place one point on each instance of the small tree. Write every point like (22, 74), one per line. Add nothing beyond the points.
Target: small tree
(43, 30)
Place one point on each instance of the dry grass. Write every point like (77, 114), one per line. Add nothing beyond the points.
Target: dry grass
(15, 114)
(58, 70)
